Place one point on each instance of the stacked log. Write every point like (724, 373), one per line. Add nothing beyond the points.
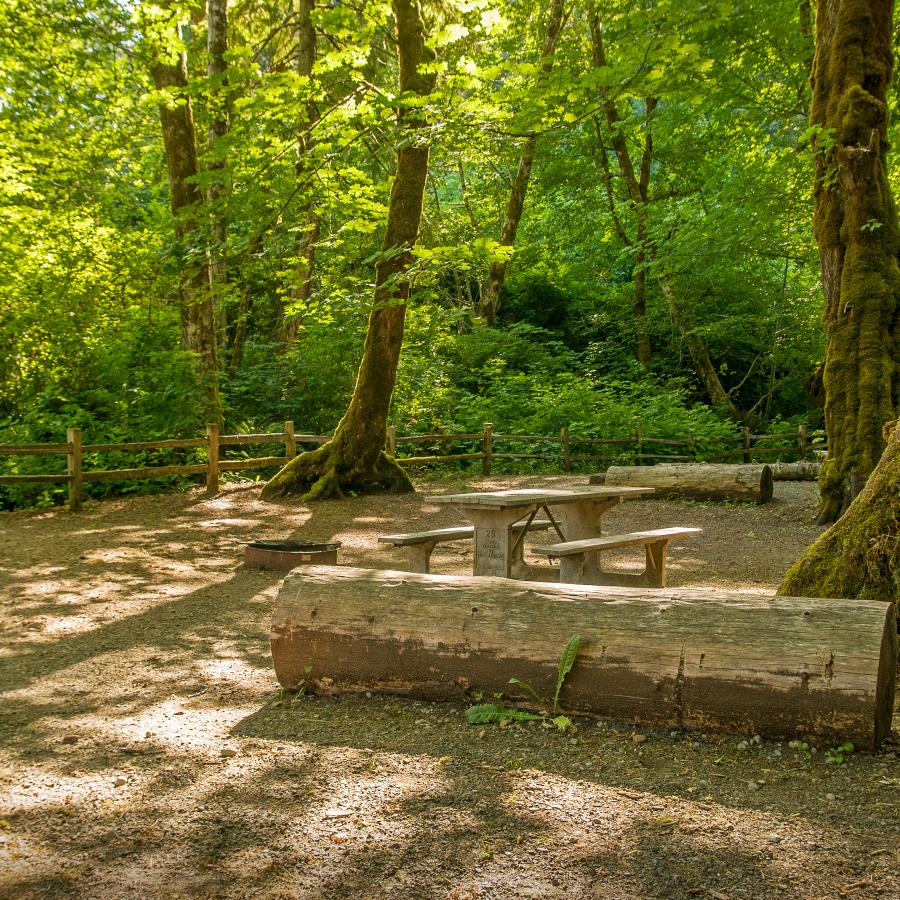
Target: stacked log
(777, 666)
(698, 481)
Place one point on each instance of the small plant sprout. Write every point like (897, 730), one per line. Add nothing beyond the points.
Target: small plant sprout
(837, 756)
(484, 713)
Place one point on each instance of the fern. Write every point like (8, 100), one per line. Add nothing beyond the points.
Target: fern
(566, 661)
(486, 713)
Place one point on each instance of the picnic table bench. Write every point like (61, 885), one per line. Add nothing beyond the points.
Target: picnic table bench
(573, 555)
(421, 544)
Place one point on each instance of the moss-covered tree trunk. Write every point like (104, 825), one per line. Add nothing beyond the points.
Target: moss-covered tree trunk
(354, 458)
(489, 303)
(855, 225)
(198, 330)
(859, 556)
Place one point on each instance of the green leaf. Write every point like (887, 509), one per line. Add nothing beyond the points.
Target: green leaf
(566, 661)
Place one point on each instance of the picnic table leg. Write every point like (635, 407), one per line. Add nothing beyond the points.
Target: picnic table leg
(419, 557)
(655, 572)
(495, 539)
(581, 521)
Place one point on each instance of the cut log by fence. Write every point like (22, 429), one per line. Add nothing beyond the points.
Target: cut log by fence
(776, 666)
(804, 470)
(698, 481)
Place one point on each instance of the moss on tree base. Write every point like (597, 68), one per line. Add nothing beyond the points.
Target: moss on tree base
(859, 556)
(328, 473)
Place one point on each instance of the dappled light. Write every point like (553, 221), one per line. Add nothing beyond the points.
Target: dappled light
(146, 748)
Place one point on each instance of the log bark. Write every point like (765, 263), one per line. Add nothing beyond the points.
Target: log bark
(706, 659)
(749, 483)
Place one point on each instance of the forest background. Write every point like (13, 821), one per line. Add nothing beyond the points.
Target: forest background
(662, 274)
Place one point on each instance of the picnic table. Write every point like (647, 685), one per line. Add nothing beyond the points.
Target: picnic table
(574, 513)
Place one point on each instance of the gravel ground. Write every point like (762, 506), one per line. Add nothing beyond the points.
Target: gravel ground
(144, 750)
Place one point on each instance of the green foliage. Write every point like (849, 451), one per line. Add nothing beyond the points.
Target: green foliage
(838, 755)
(490, 713)
(89, 319)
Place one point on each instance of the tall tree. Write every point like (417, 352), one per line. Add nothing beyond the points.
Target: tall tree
(309, 229)
(490, 291)
(855, 224)
(198, 332)
(637, 184)
(217, 73)
(354, 458)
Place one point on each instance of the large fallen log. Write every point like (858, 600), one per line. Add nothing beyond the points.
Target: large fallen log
(779, 666)
(698, 481)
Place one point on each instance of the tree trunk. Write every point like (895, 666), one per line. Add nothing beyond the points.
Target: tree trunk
(696, 658)
(700, 358)
(354, 458)
(490, 292)
(859, 556)
(309, 234)
(198, 332)
(855, 224)
(217, 72)
(637, 184)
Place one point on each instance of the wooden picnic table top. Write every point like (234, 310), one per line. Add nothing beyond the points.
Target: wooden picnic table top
(538, 496)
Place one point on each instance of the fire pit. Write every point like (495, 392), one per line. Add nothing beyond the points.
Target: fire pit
(281, 556)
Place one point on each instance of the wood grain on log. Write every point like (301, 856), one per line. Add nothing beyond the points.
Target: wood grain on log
(698, 481)
(779, 666)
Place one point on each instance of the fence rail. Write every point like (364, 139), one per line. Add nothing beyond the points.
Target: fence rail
(634, 449)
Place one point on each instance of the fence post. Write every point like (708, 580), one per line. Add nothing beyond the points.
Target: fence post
(746, 433)
(212, 458)
(639, 439)
(290, 445)
(487, 449)
(801, 440)
(566, 452)
(390, 441)
(73, 468)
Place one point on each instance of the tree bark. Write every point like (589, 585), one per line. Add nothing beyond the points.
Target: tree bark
(354, 458)
(198, 331)
(309, 233)
(696, 658)
(859, 556)
(490, 292)
(855, 224)
(217, 73)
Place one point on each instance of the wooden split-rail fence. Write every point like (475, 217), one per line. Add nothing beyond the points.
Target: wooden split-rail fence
(639, 449)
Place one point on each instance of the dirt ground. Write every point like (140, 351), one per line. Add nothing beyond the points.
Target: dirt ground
(145, 751)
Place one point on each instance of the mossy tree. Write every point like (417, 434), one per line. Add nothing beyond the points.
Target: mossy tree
(859, 556)
(354, 458)
(856, 230)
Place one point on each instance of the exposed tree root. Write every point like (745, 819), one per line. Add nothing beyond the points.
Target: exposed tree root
(328, 473)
